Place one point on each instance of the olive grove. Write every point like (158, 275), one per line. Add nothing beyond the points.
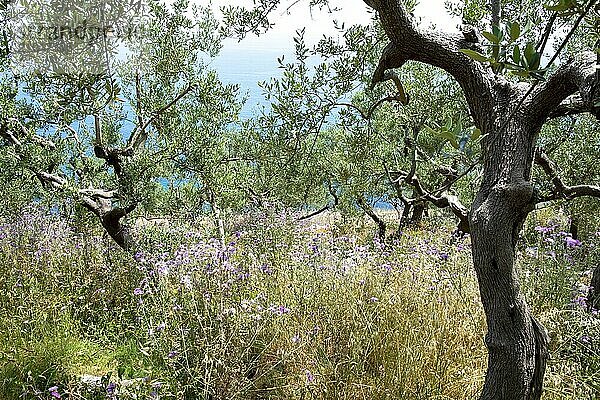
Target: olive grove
(394, 113)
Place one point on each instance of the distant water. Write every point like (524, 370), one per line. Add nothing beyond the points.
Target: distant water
(246, 67)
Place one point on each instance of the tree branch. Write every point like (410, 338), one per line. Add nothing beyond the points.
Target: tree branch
(563, 190)
(381, 225)
(439, 200)
(314, 213)
(139, 134)
(573, 105)
(438, 49)
(495, 12)
(443, 201)
(100, 203)
(13, 137)
(541, 46)
(135, 139)
(400, 95)
(336, 202)
(576, 75)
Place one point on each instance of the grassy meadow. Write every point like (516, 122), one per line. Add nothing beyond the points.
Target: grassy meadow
(317, 309)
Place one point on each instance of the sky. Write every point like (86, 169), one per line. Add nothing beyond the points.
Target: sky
(254, 59)
(319, 22)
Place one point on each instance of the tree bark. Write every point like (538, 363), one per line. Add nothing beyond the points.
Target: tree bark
(574, 227)
(404, 218)
(111, 222)
(381, 225)
(517, 343)
(111, 219)
(418, 211)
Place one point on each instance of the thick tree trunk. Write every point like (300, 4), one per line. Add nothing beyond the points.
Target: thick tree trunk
(510, 115)
(516, 342)
(111, 222)
(418, 212)
(111, 219)
(574, 227)
(220, 223)
(404, 218)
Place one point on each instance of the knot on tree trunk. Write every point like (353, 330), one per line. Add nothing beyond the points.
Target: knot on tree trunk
(518, 194)
(506, 204)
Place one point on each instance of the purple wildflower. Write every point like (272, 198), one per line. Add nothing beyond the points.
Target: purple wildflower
(585, 339)
(283, 310)
(581, 301)
(172, 354)
(139, 257)
(54, 392)
(186, 281)
(279, 310)
(162, 268)
(265, 269)
(544, 229)
(572, 242)
(310, 378)
(138, 291)
(315, 330)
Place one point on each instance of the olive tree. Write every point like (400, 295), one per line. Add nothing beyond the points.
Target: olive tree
(510, 114)
(327, 142)
(112, 135)
(510, 97)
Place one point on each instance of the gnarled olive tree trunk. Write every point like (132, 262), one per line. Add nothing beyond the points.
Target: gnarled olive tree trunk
(111, 218)
(510, 115)
(516, 342)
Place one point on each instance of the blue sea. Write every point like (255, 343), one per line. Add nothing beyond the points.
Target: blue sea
(246, 66)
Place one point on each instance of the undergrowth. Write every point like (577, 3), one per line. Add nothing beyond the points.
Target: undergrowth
(283, 309)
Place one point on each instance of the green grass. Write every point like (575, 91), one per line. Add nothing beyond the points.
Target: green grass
(287, 310)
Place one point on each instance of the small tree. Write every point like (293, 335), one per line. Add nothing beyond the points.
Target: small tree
(353, 149)
(111, 138)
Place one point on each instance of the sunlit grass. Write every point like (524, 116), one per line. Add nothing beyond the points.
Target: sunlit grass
(286, 310)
